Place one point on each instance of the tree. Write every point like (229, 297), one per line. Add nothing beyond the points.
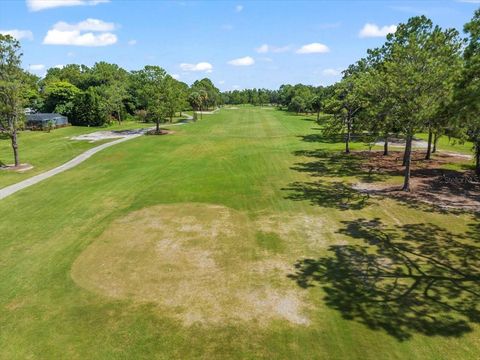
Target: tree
(212, 96)
(89, 109)
(345, 105)
(316, 104)
(12, 91)
(114, 95)
(152, 91)
(298, 104)
(418, 59)
(195, 101)
(78, 75)
(59, 97)
(468, 89)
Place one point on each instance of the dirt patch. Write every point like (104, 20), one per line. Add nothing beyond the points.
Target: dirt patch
(306, 227)
(197, 262)
(20, 168)
(107, 135)
(162, 132)
(15, 304)
(430, 183)
(376, 162)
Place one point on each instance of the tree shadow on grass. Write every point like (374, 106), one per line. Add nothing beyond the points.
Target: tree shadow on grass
(335, 164)
(322, 191)
(328, 194)
(418, 278)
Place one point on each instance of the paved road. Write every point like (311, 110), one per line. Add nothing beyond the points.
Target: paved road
(9, 190)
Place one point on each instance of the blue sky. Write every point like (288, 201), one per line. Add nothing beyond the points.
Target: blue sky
(238, 44)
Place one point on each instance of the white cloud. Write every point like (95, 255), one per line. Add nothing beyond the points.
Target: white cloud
(132, 42)
(238, 8)
(64, 33)
(70, 54)
(373, 30)
(265, 48)
(36, 67)
(38, 5)
(59, 66)
(221, 82)
(201, 66)
(175, 76)
(313, 48)
(86, 25)
(244, 61)
(18, 34)
(331, 72)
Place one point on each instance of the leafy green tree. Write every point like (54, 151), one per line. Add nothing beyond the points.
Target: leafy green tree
(417, 68)
(297, 104)
(115, 94)
(345, 105)
(467, 94)
(316, 104)
(377, 117)
(78, 75)
(195, 101)
(152, 91)
(89, 109)
(13, 85)
(59, 97)
(212, 97)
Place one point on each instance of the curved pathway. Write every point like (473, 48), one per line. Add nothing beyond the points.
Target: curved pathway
(9, 190)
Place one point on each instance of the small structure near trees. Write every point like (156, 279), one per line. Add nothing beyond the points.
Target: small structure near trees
(43, 121)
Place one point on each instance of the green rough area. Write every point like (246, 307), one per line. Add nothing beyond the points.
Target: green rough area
(235, 237)
(46, 150)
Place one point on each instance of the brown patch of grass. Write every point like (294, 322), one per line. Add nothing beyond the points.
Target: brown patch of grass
(197, 262)
(305, 227)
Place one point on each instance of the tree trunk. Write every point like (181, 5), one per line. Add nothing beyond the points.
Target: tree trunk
(435, 141)
(408, 161)
(429, 145)
(477, 157)
(404, 163)
(385, 146)
(318, 116)
(347, 139)
(158, 127)
(13, 137)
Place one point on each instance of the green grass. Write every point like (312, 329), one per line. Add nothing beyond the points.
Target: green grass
(282, 199)
(47, 150)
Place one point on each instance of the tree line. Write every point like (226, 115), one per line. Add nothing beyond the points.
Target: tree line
(297, 98)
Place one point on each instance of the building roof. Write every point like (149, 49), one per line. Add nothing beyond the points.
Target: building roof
(43, 116)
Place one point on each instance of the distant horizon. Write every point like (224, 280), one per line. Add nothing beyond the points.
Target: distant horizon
(236, 44)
